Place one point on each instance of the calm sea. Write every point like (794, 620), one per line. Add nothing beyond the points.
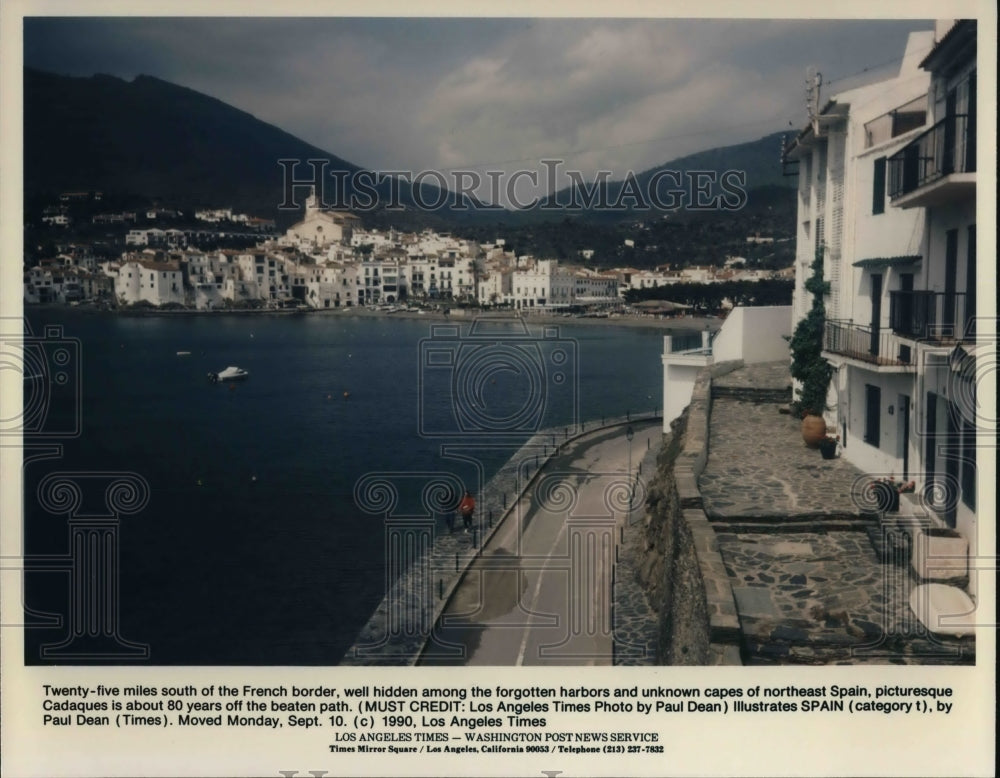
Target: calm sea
(252, 548)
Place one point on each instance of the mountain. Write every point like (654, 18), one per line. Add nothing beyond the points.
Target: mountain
(760, 160)
(672, 187)
(157, 140)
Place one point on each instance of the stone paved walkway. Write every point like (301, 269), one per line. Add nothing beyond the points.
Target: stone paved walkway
(825, 598)
(796, 535)
(769, 375)
(758, 465)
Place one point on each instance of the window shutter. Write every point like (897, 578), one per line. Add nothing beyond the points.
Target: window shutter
(878, 187)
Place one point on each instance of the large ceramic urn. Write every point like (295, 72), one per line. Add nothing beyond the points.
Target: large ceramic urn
(813, 430)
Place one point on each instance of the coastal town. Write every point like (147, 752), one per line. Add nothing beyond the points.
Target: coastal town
(876, 344)
(328, 260)
(609, 367)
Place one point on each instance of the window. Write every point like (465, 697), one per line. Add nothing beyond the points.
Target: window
(873, 407)
(878, 187)
(970, 282)
(950, 280)
(969, 460)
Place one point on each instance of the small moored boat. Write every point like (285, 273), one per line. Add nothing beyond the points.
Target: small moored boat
(231, 373)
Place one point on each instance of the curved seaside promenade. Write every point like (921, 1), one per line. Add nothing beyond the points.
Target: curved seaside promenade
(403, 629)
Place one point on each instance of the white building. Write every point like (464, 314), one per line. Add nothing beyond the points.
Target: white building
(320, 228)
(137, 238)
(842, 213)
(649, 279)
(754, 335)
(887, 192)
(532, 284)
(592, 288)
(381, 280)
(262, 276)
(145, 280)
(47, 285)
(934, 311)
(332, 286)
(495, 286)
(206, 278)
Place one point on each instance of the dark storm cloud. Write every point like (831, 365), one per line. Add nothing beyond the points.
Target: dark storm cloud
(420, 93)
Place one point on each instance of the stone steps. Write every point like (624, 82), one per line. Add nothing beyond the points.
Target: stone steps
(812, 521)
(836, 645)
(908, 653)
(752, 394)
(782, 524)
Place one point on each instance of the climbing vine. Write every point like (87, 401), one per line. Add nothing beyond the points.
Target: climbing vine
(808, 366)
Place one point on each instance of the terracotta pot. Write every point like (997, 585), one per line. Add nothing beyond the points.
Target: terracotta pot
(813, 430)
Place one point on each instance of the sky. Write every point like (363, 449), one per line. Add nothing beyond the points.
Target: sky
(444, 94)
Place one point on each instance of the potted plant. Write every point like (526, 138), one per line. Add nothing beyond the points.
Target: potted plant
(813, 429)
(885, 492)
(808, 366)
(828, 446)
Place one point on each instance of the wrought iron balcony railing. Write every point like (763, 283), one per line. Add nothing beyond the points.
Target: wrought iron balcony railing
(947, 147)
(876, 346)
(933, 316)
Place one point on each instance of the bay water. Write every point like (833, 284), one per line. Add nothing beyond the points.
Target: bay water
(253, 547)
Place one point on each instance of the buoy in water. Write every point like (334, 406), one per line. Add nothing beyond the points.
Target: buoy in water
(346, 395)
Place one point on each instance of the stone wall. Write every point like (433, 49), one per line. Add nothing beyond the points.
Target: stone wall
(669, 570)
(683, 572)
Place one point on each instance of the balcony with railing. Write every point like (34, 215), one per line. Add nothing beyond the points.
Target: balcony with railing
(688, 343)
(876, 346)
(936, 166)
(938, 317)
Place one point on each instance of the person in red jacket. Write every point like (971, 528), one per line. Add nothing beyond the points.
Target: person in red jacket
(467, 507)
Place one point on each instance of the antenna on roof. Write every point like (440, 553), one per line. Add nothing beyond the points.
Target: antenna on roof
(814, 81)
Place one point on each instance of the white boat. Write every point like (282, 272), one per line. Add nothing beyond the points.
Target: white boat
(229, 374)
